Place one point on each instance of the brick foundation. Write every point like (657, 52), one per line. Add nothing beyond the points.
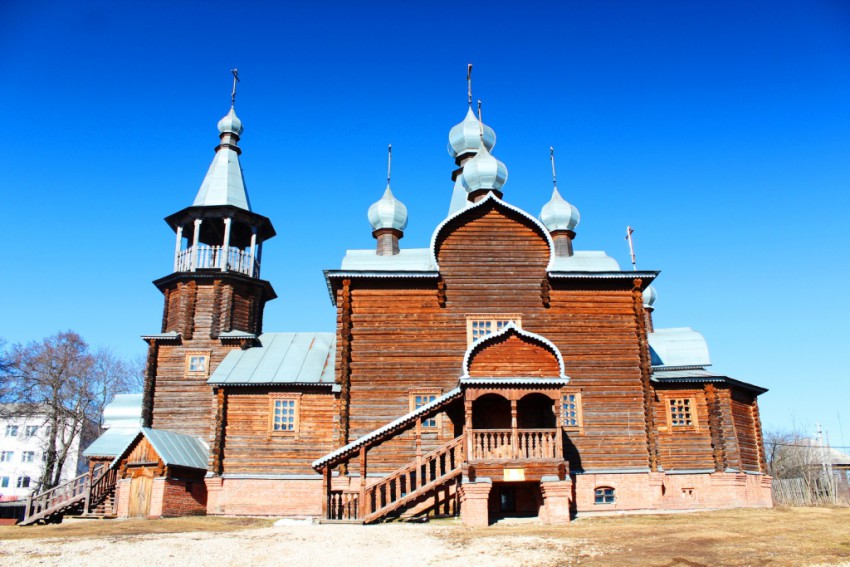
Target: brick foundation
(264, 497)
(474, 509)
(557, 496)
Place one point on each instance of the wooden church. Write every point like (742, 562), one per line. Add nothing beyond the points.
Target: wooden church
(497, 371)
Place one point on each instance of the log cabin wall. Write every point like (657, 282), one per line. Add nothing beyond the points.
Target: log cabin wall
(746, 425)
(200, 309)
(252, 447)
(684, 447)
(492, 261)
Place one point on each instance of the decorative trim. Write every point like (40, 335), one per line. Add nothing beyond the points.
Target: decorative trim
(296, 425)
(511, 328)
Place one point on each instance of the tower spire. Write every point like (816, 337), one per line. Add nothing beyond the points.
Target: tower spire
(389, 162)
(469, 84)
(233, 92)
(552, 159)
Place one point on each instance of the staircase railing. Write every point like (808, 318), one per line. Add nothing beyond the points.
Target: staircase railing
(101, 489)
(56, 499)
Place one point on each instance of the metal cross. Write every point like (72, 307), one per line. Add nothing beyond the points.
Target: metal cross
(469, 83)
(233, 92)
(629, 231)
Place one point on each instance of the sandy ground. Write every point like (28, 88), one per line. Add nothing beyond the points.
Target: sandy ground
(343, 545)
(775, 537)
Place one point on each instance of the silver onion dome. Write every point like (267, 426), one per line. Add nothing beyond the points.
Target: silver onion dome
(466, 136)
(483, 172)
(388, 212)
(230, 123)
(558, 214)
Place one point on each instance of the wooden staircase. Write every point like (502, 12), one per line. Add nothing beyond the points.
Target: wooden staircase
(77, 496)
(427, 476)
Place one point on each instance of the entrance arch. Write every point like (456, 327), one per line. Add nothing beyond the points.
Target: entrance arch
(491, 411)
(536, 411)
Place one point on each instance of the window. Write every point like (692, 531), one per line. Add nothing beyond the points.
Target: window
(30, 431)
(6, 456)
(419, 398)
(688, 492)
(197, 363)
(4, 482)
(680, 413)
(571, 409)
(284, 413)
(603, 495)
(479, 326)
(11, 431)
(27, 456)
(23, 482)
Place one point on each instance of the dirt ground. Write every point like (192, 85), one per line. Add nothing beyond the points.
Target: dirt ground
(782, 536)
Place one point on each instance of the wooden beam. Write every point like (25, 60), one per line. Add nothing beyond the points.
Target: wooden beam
(364, 509)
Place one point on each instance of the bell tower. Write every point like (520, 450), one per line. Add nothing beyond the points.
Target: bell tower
(214, 297)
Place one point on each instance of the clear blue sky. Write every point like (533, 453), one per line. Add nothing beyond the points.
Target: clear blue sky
(719, 130)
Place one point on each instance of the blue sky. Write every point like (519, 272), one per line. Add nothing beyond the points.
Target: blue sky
(719, 130)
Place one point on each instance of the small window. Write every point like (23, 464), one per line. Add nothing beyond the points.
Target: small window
(11, 431)
(197, 363)
(23, 482)
(4, 482)
(27, 456)
(604, 495)
(479, 326)
(284, 413)
(419, 398)
(6, 456)
(30, 431)
(571, 409)
(680, 413)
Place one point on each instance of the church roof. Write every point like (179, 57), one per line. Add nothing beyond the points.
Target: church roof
(112, 442)
(281, 358)
(680, 346)
(175, 449)
(683, 375)
(224, 183)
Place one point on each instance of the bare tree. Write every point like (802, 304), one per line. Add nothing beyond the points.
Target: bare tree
(61, 379)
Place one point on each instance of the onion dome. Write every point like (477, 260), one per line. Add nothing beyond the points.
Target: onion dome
(649, 296)
(230, 123)
(483, 172)
(466, 137)
(388, 212)
(558, 214)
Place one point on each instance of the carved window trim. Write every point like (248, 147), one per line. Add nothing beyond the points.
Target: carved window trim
(480, 325)
(196, 357)
(572, 418)
(418, 397)
(285, 402)
(681, 413)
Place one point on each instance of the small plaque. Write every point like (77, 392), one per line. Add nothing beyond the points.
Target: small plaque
(513, 474)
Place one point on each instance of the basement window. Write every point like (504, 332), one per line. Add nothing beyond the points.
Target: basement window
(479, 326)
(604, 495)
(284, 413)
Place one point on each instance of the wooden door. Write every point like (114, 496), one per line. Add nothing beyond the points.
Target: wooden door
(140, 495)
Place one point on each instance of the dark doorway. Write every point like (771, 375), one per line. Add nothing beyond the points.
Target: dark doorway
(514, 500)
(491, 411)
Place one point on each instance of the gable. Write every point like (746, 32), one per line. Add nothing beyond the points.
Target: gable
(513, 353)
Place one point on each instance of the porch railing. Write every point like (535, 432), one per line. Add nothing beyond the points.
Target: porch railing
(519, 444)
(213, 257)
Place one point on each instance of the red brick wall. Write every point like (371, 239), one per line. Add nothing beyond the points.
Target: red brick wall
(265, 497)
(184, 498)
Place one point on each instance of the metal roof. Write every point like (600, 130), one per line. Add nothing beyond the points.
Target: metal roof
(398, 423)
(124, 411)
(175, 449)
(224, 183)
(281, 358)
(585, 261)
(169, 336)
(680, 346)
(680, 375)
(112, 442)
(407, 259)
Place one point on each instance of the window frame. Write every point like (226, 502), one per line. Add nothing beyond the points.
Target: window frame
(274, 397)
(27, 456)
(604, 492)
(7, 456)
(30, 430)
(691, 403)
(4, 482)
(578, 409)
(23, 482)
(11, 430)
(194, 354)
(437, 419)
(494, 319)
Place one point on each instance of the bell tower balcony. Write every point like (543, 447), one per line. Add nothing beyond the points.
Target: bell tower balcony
(206, 257)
